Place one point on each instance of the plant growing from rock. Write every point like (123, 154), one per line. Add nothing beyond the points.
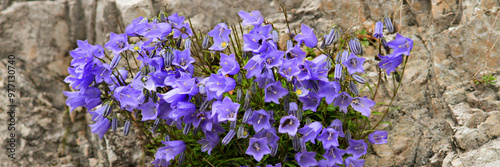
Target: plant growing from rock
(235, 97)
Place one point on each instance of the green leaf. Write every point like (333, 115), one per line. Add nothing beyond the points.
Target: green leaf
(377, 113)
(386, 122)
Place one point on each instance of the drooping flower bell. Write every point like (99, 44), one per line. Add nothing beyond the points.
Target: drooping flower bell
(357, 148)
(306, 159)
(307, 36)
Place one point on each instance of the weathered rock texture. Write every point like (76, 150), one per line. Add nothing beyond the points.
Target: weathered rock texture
(443, 118)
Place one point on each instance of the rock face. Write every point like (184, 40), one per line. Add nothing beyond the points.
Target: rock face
(443, 118)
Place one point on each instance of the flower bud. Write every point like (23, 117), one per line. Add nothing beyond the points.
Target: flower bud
(329, 63)
(205, 104)
(186, 129)
(205, 43)
(388, 25)
(201, 89)
(286, 104)
(398, 77)
(145, 92)
(155, 97)
(276, 36)
(308, 121)
(348, 135)
(338, 72)
(115, 61)
(299, 114)
(242, 132)
(330, 37)
(232, 125)
(354, 88)
(271, 119)
(358, 78)
(254, 87)
(157, 122)
(126, 129)
(239, 79)
(379, 30)
(247, 115)
(274, 150)
(296, 143)
(289, 44)
(355, 46)
(338, 58)
(167, 138)
(239, 94)
(247, 55)
(386, 47)
(302, 145)
(114, 124)
(168, 57)
(345, 56)
(196, 130)
(228, 137)
(187, 43)
(248, 97)
(182, 156)
(107, 109)
(163, 17)
(178, 43)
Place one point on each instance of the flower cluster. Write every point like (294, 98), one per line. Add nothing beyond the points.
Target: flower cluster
(159, 74)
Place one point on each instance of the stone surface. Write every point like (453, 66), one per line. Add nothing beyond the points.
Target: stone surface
(443, 118)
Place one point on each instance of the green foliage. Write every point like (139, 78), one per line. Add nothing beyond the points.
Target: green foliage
(486, 79)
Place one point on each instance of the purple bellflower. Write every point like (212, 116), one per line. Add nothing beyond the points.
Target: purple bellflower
(128, 97)
(258, 148)
(296, 52)
(390, 62)
(343, 101)
(333, 156)
(306, 159)
(254, 67)
(219, 84)
(172, 148)
(329, 138)
(219, 31)
(209, 143)
(100, 127)
(220, 43)
(259, 120)
(328, 90)
(311, 131)
(289, 124)
(363, 105)
(354, 64)
(149, 110)
(175, 19)
(270, 134)
(252, 18)
(337, 125)
(378, 137)
(401, 45)
(229, 64)
(357, 148)
(183, 58)
(274, 92)
(181, 109)
(182, 30)
(354, 162)
(310, 101)
(88, 98)
(117, 43)
(137, 27)
(307, 36)
(226, 109)
(289, 68)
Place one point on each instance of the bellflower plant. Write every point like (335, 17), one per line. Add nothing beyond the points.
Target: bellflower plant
(188, 93)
